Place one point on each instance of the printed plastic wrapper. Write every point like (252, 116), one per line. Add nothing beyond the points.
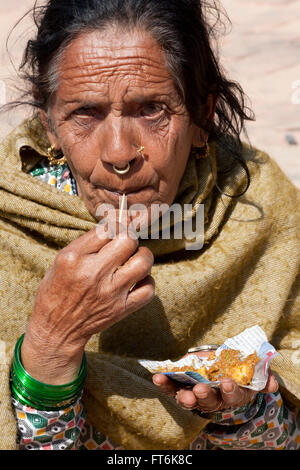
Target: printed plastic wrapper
(248, 342)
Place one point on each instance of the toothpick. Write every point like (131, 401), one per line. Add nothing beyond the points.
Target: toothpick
(122, 207)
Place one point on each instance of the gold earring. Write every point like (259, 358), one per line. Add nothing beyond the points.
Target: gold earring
(52, 155)
(200, 152)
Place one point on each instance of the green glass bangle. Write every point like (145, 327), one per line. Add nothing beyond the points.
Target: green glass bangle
(39, 395)
(28, 401)
(33, 399)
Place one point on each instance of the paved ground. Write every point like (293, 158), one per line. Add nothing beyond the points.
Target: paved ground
(261, 52)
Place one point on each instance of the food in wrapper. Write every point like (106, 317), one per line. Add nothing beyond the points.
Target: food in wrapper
(229, 364)
(245, 358)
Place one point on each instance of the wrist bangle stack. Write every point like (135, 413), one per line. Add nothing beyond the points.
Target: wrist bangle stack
(39, 395)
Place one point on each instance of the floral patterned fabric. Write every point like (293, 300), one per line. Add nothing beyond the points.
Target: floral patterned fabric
(264, 423)
(59, 176)
(57, 430)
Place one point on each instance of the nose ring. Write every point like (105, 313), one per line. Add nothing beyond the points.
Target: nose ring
(122, 171)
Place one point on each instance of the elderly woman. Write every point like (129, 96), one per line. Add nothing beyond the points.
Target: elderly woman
(132, 105)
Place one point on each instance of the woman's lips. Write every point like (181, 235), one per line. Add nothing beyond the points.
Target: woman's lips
(136, 196)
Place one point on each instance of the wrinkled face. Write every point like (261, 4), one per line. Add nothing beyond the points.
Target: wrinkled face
(115, 95)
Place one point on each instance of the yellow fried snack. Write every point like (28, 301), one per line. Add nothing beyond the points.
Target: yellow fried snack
(228, 364)
(202, 371)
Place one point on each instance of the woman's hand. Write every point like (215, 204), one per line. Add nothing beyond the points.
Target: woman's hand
(206, 399)
(87, 290)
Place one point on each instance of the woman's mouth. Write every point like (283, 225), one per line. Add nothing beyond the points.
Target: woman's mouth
(133, 195)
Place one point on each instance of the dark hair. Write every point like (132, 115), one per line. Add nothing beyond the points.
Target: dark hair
(184, 31)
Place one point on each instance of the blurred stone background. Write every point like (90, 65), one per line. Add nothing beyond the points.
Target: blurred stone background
(261, 51)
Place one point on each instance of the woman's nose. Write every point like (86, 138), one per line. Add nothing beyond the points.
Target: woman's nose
(118, 147)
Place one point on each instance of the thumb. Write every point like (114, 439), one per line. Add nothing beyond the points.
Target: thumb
(271, 385)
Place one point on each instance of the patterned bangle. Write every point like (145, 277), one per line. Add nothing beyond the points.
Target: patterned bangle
(39, 395)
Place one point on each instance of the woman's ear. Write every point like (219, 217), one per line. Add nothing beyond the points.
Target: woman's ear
(52, 137)
(200, 136)
(210, 106)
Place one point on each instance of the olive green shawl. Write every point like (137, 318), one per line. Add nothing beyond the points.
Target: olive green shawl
(247, 273)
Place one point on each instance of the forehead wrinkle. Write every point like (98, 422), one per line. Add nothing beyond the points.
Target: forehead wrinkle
(147, 59)
(123, 80)
(130, 93)
(101, 82)
(105, 69)
(116, 50)
(144, 71)
(111, 74)
(91, 59)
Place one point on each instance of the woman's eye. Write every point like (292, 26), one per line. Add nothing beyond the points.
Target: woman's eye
(87, 116)
(84, 112)
(152, 110)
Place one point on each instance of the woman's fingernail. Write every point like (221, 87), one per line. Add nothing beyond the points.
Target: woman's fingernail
(227, 387)
(187, 407)
(201, 391)
(202, 395)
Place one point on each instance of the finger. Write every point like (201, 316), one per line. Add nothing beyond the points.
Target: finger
(165, 385)
(142, 293)
(90, 242)
(135, 269)
(208, 398)
(233, 395)
(186, 399)
(117, 252)
(271, 385)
